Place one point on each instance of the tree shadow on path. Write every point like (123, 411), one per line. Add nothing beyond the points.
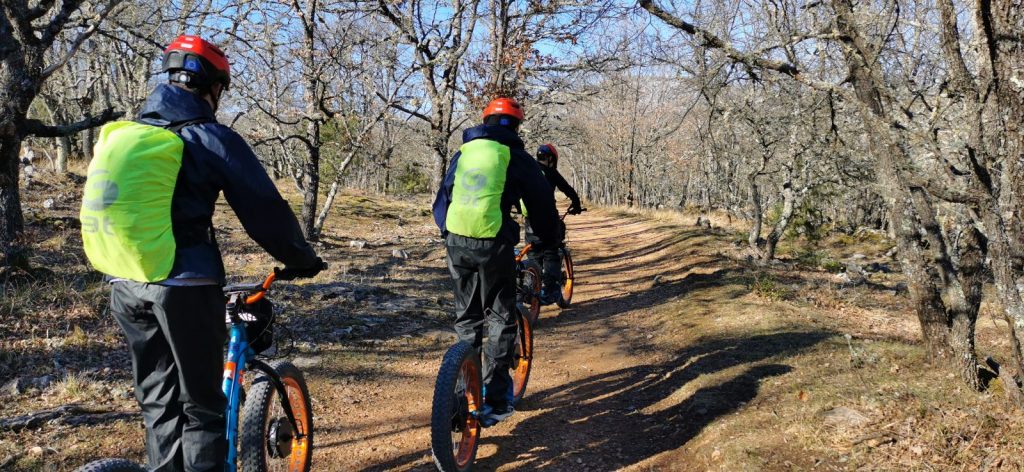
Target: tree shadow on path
(619, 418)
(622, 417)
(608, 307)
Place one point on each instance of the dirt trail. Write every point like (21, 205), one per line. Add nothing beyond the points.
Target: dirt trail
(596, 368)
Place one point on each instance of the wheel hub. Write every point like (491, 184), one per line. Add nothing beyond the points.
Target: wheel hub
(279, 441)
(461, 413)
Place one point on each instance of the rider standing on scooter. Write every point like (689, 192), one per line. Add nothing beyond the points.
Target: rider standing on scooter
(549, 260)
(147, 223)
(490, 173)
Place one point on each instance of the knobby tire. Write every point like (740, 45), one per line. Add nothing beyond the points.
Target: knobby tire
(256, 423)
(111, 465)
(450, 412)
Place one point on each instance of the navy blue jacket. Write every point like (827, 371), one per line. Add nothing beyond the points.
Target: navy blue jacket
(217, 159)
(523, 180)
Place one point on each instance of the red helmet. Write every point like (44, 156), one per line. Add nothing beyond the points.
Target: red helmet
(504, 106)
(548, 150)
(199, 62)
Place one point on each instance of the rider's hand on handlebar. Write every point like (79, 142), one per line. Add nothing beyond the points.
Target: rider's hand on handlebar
(291, 273)
(575, 210)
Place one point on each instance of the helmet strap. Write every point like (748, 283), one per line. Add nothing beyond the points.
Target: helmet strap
(215, 97)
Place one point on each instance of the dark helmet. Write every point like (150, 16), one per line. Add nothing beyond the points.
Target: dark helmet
(196, 62)
(504, 111)
(548, 152)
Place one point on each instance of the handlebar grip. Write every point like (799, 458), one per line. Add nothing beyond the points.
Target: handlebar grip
(265, 286)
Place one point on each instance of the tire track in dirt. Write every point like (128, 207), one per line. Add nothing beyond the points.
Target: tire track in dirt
(595, 364)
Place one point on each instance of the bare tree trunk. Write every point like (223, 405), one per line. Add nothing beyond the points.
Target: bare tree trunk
(311, 186)
(88, 140)
(924, 284)
(318, 225)
(63, 151)
(439, 150)
(754, 238)
(385, 184)
(631, 182)
(1004, 276)
(11, 222)
(63, 142)
(1003, 217)
(313, 98)
(788, 206)
(328, 203)
(972, 270)
(18, 85)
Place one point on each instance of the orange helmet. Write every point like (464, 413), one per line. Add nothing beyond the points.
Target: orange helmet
(504, 106)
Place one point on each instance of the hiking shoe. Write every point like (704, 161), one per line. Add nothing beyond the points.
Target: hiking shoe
(549, 297)
(492, 415)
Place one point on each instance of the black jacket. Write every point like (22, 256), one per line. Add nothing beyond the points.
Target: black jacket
(556, 181)
(523, 180)
(217, 159)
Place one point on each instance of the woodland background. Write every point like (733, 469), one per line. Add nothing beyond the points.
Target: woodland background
(799, 119)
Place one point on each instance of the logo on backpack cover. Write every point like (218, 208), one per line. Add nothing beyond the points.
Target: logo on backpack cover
(100, 193)
(99, 182)
(474, 180)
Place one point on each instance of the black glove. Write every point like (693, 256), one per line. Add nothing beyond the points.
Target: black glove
(575, 209)
(292, 273)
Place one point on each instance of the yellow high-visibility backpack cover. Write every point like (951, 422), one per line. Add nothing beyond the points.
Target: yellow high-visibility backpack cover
(126, 206)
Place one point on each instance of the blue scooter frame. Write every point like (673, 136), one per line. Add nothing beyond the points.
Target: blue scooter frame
(241, 355)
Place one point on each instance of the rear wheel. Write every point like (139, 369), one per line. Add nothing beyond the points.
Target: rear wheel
(458, 397)
(529, 289)
(111, 465)
(268, 439)
(568, 277)
(522, 357)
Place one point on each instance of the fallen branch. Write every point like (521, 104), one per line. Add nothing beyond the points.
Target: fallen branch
(73, 415)
(875, 439)
(100, 418)
(34, 420)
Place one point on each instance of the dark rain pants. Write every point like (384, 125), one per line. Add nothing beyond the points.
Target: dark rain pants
(176, 337)
(484, 275)
(547, 257)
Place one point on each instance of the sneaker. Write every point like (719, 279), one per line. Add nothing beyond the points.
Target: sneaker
(492, 415)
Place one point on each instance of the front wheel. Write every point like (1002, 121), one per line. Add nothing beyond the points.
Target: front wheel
(454, 417)
(522, 357)
(111, 465)
(268, 439)
(568, 277)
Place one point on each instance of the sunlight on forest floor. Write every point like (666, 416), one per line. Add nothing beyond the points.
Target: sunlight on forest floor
(678, 354)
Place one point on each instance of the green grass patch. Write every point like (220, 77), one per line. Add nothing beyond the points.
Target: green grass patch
(766, 286)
